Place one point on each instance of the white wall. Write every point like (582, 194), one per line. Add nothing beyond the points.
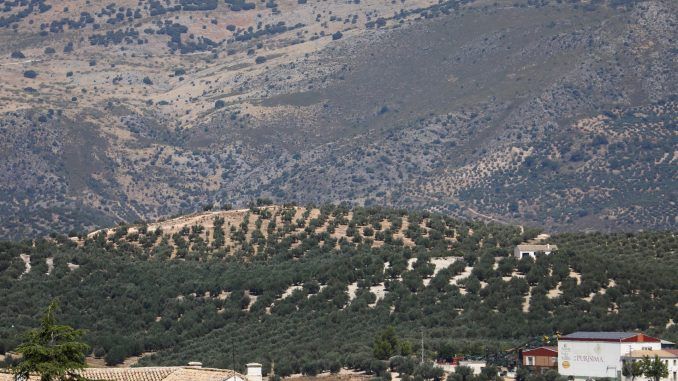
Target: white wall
(447, 368)
(519, 254)
(588, 359)
(626, 348)
(673, 370)
(595, 359)
(254, 372)
(477, 366)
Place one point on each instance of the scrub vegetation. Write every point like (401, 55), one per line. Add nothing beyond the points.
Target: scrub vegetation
(559, 114)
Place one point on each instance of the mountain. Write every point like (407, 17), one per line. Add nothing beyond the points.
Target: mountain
(555, 114)
(311, 288)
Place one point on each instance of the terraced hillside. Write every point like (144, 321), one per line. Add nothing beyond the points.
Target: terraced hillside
(308, 288)
(556, 114)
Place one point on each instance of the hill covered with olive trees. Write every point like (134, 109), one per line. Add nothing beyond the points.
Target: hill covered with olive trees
(547, 113)
(311, 289)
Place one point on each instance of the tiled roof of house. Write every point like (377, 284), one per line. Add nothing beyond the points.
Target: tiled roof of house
(541, 351)
(662, 353)
(547, 347)
(128, 374)
(204, 374)
(153, 374)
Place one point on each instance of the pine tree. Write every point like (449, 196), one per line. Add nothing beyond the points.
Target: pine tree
(385, 344)
(52, 351)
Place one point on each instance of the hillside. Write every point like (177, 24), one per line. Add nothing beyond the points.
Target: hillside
(556, 114)
(245, 232)
(309, 287)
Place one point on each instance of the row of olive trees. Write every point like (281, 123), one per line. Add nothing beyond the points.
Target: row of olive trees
(56, 352)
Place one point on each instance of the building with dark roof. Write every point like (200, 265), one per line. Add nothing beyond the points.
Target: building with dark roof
(584, 355)
(617, 337)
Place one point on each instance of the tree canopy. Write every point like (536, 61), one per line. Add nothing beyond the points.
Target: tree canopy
(290, 286)
(52, 351)
(654, 368)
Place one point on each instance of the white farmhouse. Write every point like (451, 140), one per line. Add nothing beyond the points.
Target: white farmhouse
(527, 250)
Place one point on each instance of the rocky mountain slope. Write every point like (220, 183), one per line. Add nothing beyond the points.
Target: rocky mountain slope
(559, 114)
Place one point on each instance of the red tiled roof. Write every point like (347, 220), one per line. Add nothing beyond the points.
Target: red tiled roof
(174, 373)
(128, 374)
(662, 353)
(541, 351)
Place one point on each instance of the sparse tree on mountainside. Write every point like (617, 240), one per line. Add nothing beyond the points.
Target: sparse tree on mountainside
(52, 351)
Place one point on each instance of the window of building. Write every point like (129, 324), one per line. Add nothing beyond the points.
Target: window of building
(530, 360)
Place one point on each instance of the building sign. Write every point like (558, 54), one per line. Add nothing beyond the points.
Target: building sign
(592, 359)
(585, 358)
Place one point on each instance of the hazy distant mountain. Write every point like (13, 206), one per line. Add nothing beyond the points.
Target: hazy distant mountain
(561, 114)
